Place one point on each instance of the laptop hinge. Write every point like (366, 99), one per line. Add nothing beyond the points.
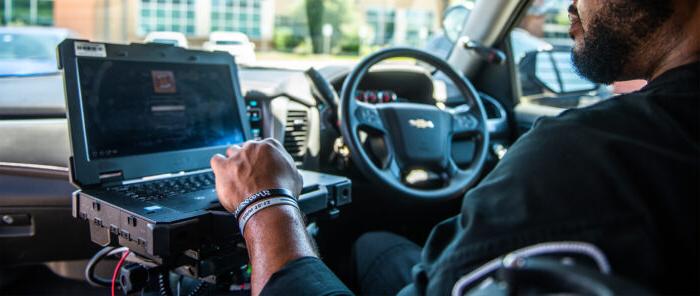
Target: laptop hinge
(111, 177)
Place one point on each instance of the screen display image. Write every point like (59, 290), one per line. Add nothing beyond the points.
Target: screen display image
(135, 108)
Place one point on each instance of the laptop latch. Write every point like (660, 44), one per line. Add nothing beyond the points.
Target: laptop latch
(111, 176)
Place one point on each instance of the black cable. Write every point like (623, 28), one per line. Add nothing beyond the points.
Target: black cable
(163, 277)
(90, 269)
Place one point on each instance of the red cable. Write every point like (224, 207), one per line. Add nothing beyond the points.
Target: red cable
(116, 269)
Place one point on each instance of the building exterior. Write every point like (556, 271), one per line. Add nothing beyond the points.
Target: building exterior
(198, 18)
(402, 22)
(378, 22)
(26, 12)
(99, 20)
(131, 20)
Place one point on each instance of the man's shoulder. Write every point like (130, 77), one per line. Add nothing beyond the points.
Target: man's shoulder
(670, 101)
(601, 115)
(647, 116)
(578, 123)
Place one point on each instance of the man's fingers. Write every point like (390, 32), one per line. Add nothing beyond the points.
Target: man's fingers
(232, 150)
(274, 142)
(217, 162)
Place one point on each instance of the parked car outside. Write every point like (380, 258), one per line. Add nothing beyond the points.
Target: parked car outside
(235, 43)
(29, 51)
(170, 38)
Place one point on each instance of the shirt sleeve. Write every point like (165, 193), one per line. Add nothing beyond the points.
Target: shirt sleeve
(305, 276)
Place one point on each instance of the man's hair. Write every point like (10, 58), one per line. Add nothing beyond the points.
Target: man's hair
(616, 34)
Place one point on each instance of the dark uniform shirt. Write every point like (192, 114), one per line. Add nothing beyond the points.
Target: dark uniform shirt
(623, 174)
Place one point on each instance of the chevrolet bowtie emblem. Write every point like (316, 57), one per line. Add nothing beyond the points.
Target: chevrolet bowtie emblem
(421, 123)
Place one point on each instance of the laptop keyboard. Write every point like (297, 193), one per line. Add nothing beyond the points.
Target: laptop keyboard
(166, 188)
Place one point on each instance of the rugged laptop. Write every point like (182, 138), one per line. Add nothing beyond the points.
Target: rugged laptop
(144, 120)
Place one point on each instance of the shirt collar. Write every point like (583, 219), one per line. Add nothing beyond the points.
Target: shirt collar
(684, 72)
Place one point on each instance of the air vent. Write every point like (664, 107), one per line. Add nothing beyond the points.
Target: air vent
(296, 133)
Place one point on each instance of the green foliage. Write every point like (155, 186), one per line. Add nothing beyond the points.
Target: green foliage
(340, 14)
(284, 39)
(350, 44)
(562, 18)
(303, 48)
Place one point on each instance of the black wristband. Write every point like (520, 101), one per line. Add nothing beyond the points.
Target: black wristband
(263, 194)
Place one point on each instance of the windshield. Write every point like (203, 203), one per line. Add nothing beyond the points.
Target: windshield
(28, 53)
(283, 33)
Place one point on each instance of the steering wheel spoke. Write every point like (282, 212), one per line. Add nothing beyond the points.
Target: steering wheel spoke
(454, 171)
(391, 169)
(367, 115)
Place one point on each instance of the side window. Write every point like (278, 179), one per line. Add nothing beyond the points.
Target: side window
(541, 48)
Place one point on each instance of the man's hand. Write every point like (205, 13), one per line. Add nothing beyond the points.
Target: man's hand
(256, 166)
(275, 235)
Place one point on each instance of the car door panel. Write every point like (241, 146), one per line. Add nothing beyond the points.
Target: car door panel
(36, 225)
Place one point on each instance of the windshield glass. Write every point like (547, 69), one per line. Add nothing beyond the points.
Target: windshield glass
(28, 53)
(282, 33)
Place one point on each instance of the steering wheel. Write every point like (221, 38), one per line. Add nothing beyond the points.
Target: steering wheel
(416, 136)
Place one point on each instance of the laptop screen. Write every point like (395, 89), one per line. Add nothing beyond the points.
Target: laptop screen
(133, 108)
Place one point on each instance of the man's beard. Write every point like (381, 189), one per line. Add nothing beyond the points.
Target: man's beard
(615, 36)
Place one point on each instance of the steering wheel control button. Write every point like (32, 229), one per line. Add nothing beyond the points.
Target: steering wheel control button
(367, 116)
(466, 122)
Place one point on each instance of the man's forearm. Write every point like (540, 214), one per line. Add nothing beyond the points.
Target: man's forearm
(274, 237)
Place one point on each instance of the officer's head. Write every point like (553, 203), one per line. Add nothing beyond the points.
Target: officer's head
(629, 39)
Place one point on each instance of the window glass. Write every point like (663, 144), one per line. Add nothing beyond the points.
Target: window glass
(236, 15)
(166, 15)
(380, 22)
(418, 28)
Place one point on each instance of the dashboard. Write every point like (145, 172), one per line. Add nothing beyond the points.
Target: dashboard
(285, 108)
(34, 149)
(280, 104)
